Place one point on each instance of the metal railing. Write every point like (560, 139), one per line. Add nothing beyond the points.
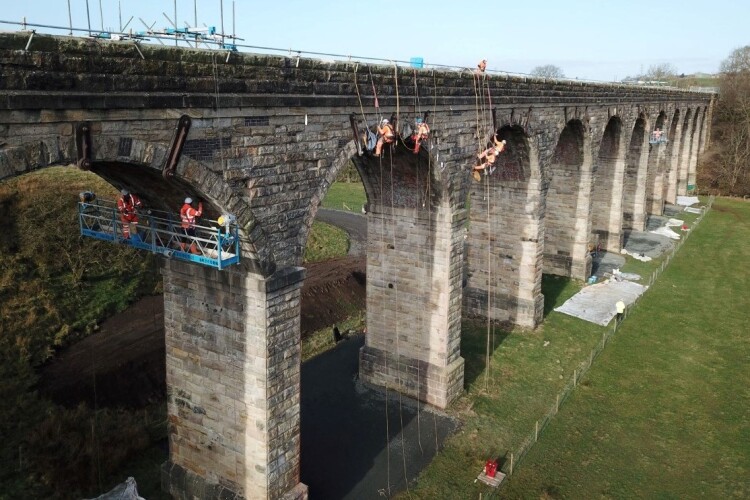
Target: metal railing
(161, 233)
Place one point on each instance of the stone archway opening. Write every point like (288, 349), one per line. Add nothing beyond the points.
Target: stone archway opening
(606, 196)
(683, 163)
(566, 235)
(636, 170)
(671, 158)
(658, 145)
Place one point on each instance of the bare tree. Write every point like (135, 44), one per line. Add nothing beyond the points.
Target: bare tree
(660, 72)
(548, 71)
(728, 168)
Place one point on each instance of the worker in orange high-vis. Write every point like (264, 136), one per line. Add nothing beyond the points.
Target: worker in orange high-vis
(386, 135)
(422, 133)
(128, 205)
(489, 156)
(188, 214)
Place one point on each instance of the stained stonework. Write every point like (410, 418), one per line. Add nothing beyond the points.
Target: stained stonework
(268, 137)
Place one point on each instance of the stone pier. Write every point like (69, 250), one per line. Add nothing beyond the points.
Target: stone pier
(233, 365)
(414, 267)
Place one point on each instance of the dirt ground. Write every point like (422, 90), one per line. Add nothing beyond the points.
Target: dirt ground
(126, 357)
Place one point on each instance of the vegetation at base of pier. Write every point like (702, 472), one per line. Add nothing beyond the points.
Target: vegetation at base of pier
(665, 402)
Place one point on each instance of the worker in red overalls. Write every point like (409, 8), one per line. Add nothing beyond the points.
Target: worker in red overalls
(188, 215)
(422, 133)
(386, 135)
(127, 205)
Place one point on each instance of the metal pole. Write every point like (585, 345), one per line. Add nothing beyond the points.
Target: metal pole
(234, 33)
(88, 16)
(195, 8)
(101, 14)
(175, 22)
(119, 10)
(221, 9)
(70, 20)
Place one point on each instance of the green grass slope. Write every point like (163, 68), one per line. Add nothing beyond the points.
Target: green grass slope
(665, 411)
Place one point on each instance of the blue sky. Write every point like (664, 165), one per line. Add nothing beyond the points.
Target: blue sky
(589, 39)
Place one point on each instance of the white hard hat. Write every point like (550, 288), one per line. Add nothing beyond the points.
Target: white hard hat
(124, 192)
(384, 120)
(188, 200)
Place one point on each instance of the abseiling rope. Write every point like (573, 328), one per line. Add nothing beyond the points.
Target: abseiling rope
(396, 287)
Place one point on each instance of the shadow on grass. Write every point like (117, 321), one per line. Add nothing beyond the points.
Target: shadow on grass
(554, 291)
(474, 347)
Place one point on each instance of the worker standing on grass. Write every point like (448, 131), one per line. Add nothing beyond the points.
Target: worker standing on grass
(127, 205)
(188, 214)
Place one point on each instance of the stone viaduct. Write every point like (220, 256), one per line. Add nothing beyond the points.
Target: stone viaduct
(268, 136)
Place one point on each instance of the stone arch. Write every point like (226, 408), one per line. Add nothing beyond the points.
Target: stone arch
(636, 171)
(672, 157)
(656, 168)
(695, 138)
(138, 167)
(606, 195)
(503, 279)
(518, 163)
(705, 116)
(568, 204)
(685, 145)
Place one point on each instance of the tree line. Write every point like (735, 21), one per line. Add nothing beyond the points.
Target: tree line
(725, 168)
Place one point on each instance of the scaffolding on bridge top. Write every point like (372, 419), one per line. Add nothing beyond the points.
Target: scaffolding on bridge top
(161, 233)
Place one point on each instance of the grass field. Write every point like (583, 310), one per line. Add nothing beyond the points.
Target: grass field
(325, 242)
(665, 412)
(667, 399)
(349, 196)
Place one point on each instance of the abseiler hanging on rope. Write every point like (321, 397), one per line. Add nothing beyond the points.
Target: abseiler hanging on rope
(386, 135)
(489, 156)
(421, 133)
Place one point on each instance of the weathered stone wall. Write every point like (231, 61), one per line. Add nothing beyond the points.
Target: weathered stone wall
(233, 360)
(414, 267)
